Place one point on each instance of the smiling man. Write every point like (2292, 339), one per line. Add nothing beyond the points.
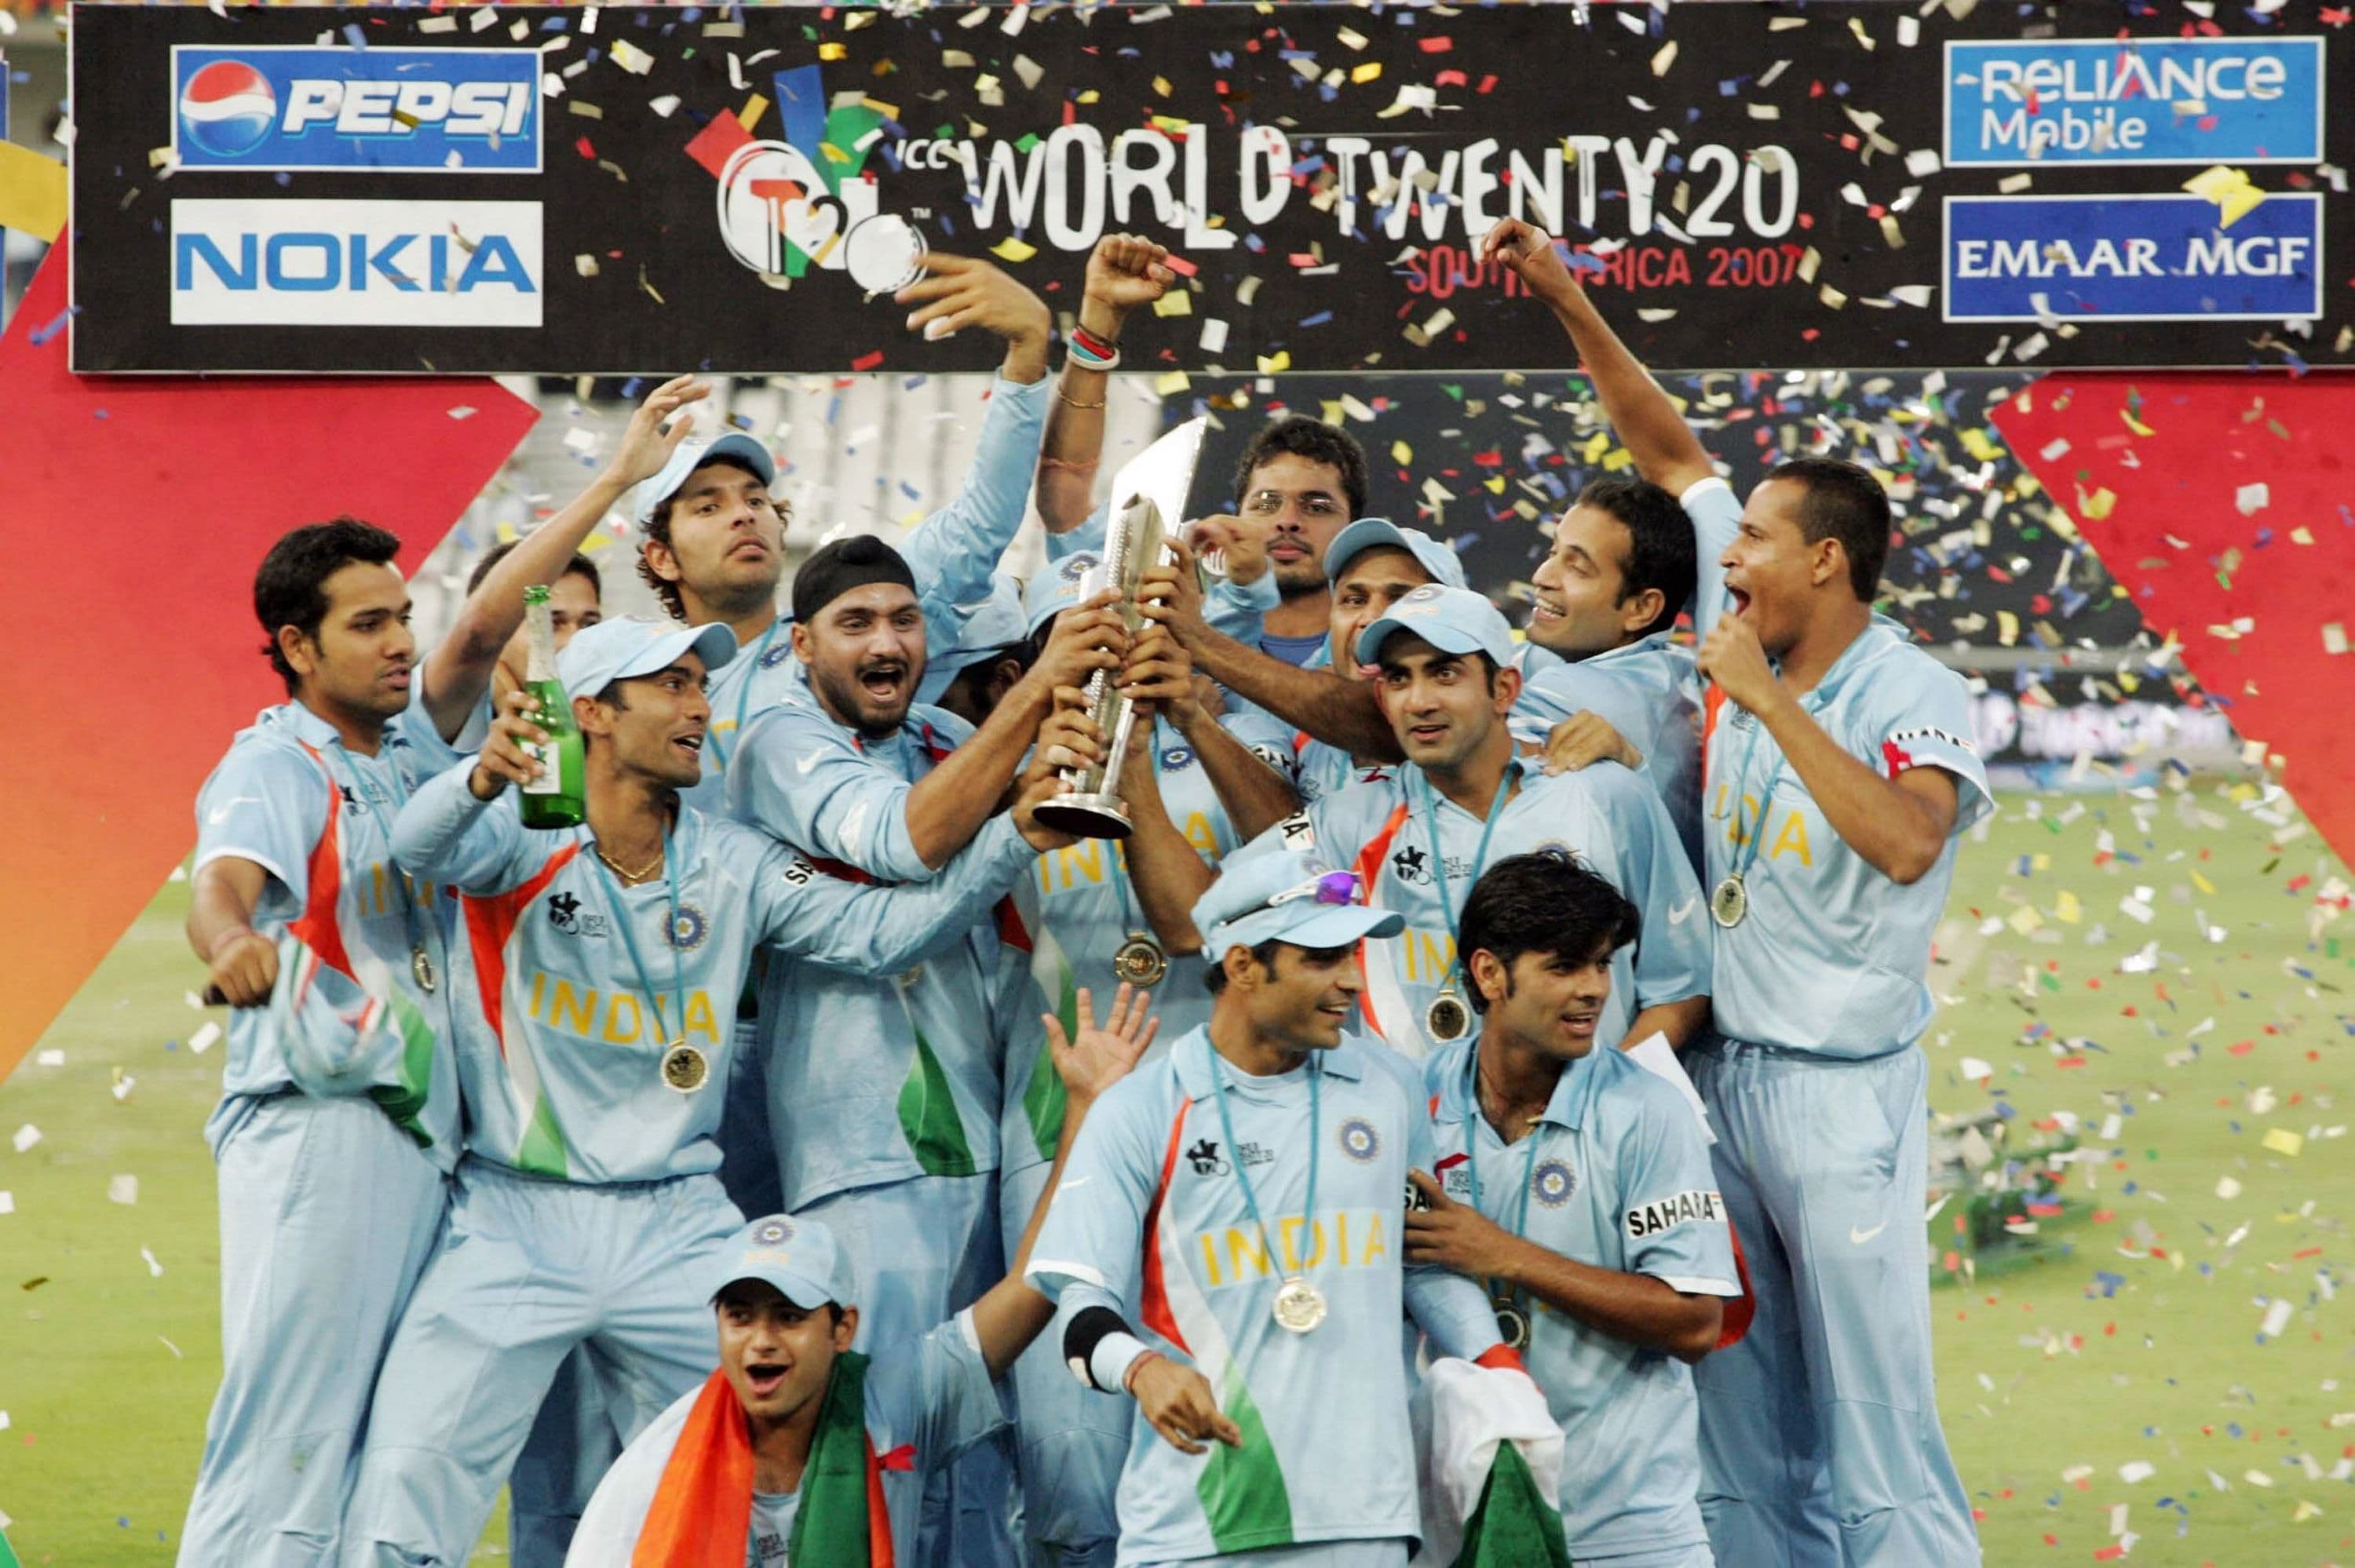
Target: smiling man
(1576, 1185)
(600, 966)
(1422, 834)
(1226, 1252)
(800, 1450)
(1838, 778)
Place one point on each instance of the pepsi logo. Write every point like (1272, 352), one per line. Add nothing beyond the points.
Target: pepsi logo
(228, 107)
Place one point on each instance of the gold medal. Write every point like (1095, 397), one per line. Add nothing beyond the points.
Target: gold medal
(1447, 1018)
(1730, 902)
(421, 967)
(684, 1067)
(1140, 960)
(1512, 1325)
(1299, 1306)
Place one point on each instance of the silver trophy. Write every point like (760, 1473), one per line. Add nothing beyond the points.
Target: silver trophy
(1093, 808)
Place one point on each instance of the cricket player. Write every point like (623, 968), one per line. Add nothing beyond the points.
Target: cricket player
(328, 1202)
(1226, 1250)
(1091, 932)
(1420, 835)
(800, 1450)
(1576, 1186)
(600, 963)
(1839, 777)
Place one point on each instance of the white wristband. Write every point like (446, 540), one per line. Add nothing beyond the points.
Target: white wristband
(1109, 1362)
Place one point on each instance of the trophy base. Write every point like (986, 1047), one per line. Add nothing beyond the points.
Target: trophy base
(1095, 816)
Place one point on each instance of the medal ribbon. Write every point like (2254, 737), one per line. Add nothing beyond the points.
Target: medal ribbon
(1439, 858)
(1745, 852)
(1472, 1155)
(670, 935)
(1243, 1172)
(411, 918)
(744, 694)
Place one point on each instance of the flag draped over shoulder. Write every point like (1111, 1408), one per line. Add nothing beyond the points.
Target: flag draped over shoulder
(681, 1495)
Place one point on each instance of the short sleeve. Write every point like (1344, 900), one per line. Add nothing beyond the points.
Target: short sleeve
(1672, 948)
(1922, 718)
(1674, 1219)
(1716, 514)
(1095, 1231)
(266, 803)
(1266, 739)
(935, 1393)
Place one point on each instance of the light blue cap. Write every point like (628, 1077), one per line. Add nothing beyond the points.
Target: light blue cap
(633, 645)
(1381, 533)
(989, 628)
(1451, 620)
(1274, 897)
(1056, 588)
(799, 1256)
(692, 454)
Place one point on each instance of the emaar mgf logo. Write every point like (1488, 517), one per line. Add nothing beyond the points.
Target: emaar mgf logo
(2134, 101)
(357, 263)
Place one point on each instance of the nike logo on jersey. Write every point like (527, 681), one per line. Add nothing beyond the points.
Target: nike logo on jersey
(1678, 916)
(219, 814)
(1859, 1237)
(806, 763)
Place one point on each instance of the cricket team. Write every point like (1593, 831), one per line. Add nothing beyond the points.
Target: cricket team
(819, 1155)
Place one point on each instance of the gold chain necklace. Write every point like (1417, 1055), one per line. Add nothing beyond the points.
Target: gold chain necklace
(623, 872)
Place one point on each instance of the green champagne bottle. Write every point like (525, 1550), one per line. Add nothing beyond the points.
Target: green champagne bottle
(559, 797)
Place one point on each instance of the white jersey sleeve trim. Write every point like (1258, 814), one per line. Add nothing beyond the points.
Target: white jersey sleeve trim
(232, 851)
(972, 1334)
(1701, 487)
(1041, 1267)
(1700, 1285)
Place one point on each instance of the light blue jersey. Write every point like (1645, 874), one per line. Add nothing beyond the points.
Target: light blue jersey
(1151, 1222)
(1616, 1175)
(1832, 957)
(323, 1200)
(1649, 692)
(951, 554)
(870, 1080)
(563, 1052)
(1089, 908)
(290, 798)
(1605, 815)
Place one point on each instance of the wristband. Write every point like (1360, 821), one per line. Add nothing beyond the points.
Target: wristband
(1091, 345)
(1145, 1355)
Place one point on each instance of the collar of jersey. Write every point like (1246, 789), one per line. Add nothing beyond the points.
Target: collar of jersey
(312, 730)
(1573, 1092)
(1424, 788)
(1190, 1059)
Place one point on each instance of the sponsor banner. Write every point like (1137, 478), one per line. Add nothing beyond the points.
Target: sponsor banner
(1742, 186)
(2066, 725)
(309, 108)
(2087, 259)
(2126, 101)
(355, 263)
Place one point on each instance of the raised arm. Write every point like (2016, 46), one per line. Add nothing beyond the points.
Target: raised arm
(1255, 795)
(1647, 419)
(1125, 270)
(1011, 1313)
(460, 670)
(446, 833)
(1332, 707)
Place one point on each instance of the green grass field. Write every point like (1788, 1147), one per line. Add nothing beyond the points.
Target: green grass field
(2109, 1388)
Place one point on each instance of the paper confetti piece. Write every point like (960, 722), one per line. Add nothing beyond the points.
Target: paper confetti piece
(2251, 499)
(2282, 1141)
(2277, 1317)
(2229, 189)
(25, 1137)
(631, 58)
(32, 192)
(1011, 249)
(123, 1189)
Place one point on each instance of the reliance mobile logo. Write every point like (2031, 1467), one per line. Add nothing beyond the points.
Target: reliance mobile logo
(357, 263)
(2133, 101)
(272, 109)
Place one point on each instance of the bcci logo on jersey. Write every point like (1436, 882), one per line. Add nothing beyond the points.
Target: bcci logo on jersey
(271, 109)
(355, 263)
